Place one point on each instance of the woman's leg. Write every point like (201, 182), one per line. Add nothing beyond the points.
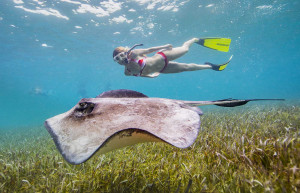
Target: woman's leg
(175, 67)
(177, 52)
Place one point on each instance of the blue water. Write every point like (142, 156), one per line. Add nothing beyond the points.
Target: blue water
(53, 53)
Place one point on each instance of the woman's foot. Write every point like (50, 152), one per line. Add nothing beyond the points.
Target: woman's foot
(196, 40)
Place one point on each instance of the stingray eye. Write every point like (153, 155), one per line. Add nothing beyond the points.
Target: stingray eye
(83, 109)
(82, 104)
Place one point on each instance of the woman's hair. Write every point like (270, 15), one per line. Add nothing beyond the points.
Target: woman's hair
(119, 50)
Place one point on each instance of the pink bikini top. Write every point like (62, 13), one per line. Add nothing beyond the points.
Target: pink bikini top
(141, 63)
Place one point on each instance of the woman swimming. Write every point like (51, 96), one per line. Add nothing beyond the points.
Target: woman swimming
(138, 64)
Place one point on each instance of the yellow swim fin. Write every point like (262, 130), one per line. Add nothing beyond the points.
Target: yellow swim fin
(220, 44)
(219, 67)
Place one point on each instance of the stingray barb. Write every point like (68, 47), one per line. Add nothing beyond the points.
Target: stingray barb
(119, 118)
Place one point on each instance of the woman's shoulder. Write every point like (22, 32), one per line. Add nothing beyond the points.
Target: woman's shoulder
(134, 54)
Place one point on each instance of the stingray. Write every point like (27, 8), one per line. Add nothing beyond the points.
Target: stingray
(120, 118)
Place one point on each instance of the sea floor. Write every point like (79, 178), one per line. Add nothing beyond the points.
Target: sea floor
(253, 149)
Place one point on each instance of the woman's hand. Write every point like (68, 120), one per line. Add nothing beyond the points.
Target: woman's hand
(168, 46)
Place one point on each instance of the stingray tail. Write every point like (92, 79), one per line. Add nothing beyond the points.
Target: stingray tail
(226, 102)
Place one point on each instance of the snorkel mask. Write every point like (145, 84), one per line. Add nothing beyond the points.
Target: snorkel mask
(122, 57)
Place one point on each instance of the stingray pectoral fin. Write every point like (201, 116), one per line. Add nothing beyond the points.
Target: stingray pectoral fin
(80, 149)
(227, 102)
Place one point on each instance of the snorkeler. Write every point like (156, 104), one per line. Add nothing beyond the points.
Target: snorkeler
(138, 64)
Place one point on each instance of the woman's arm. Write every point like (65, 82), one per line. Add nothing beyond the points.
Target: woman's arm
(149, 50)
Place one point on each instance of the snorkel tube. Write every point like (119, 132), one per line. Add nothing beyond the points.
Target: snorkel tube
(133, 48)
